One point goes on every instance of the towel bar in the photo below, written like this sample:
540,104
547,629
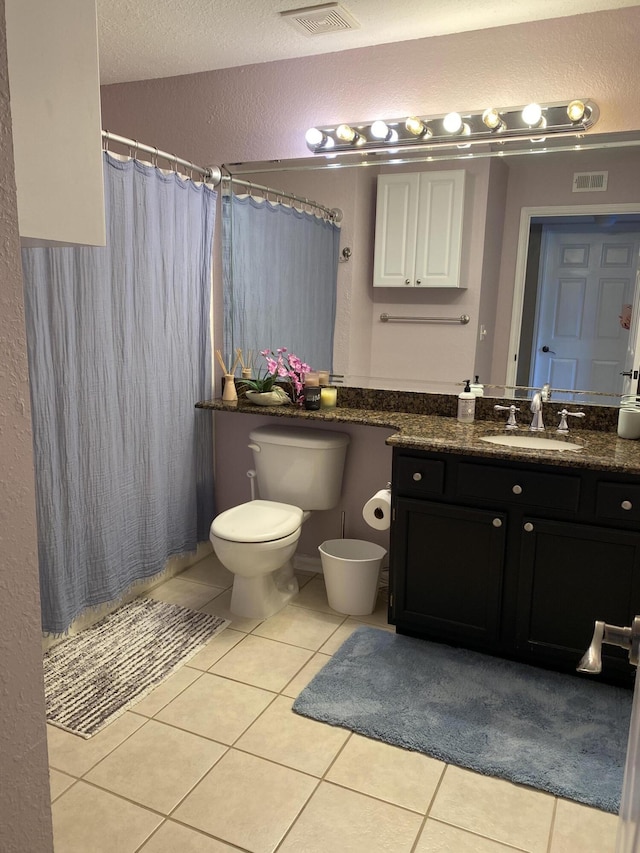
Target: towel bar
463,319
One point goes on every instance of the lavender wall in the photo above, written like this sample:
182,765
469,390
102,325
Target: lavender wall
25,814
261,112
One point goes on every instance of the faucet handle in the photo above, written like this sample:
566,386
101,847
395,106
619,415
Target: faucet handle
511,422
563,426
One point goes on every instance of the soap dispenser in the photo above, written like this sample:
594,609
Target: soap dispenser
476,388
466,404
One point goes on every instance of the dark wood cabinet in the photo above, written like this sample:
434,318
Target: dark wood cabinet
514,559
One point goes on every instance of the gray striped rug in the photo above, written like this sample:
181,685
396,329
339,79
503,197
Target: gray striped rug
92,678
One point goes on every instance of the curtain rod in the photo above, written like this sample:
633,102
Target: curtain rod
211,175
334,214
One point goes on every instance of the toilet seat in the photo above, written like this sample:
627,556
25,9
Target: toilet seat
257,521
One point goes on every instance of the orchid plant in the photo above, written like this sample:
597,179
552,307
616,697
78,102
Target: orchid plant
283,366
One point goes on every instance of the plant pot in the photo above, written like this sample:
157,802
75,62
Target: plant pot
276,397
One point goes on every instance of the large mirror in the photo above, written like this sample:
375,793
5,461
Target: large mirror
549,262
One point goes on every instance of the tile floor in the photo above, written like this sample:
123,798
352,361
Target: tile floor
215,761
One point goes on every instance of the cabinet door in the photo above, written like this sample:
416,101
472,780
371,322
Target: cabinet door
571,575
395,240
447,567
439,232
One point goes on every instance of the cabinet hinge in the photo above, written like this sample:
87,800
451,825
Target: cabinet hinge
391,600
393,514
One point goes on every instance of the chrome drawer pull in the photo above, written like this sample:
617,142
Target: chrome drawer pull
517,490
626,505
528,527
417,476
497,522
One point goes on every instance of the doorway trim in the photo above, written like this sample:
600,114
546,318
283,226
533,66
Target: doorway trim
526,215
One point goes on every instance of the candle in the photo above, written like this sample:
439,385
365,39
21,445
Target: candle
328,397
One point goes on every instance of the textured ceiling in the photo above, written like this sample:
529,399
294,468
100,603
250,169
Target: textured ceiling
145,39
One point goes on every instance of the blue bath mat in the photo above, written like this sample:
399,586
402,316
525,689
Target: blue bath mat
554,732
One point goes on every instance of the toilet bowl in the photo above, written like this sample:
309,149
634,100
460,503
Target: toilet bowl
256,541
298,470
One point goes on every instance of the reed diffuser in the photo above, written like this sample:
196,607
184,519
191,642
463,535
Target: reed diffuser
229,392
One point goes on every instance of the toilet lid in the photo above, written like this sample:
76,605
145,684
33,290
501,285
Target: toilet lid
257,521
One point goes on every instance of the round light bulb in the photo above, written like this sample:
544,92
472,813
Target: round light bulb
452,123
314,137
491,118
415,126
576,111
346,133
379,130
532,114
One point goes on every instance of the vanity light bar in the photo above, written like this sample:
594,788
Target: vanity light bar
493,124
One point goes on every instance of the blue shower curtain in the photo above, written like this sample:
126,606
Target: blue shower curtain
119,352
280,271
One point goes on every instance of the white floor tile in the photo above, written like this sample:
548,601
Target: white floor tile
308,671
439,837
300,627
216,708
185,593
580,829
88,820
494,808
166,691
399,776
287,738
263,663
314,596
216,649
157,766
341,820
209,571
220,605
59,782
75,755
247,801
174,838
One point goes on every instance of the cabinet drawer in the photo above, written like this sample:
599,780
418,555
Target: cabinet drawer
620,501
416,477
507,485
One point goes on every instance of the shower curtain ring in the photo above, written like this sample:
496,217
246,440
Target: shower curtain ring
105,140
154,159
136,147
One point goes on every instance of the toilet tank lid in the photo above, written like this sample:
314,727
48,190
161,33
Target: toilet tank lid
299,437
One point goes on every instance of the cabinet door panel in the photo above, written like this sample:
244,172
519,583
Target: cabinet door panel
448,570
395,239
439,240
571,575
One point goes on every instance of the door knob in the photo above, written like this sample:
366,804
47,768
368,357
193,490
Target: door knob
627,373
545,348
613,635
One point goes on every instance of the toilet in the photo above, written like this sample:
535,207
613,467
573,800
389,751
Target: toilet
298,470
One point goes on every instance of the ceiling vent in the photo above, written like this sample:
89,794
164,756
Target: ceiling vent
590,182
317,20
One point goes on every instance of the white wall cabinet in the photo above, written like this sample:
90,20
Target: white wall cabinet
418,238
54,86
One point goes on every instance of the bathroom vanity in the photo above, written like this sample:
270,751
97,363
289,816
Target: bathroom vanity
511,551
513,558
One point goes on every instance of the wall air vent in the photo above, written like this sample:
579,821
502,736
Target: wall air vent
590,182
317,20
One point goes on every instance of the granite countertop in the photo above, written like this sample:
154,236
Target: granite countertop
441,432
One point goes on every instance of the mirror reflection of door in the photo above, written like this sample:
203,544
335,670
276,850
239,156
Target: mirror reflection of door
578,320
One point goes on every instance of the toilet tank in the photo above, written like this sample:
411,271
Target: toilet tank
299,466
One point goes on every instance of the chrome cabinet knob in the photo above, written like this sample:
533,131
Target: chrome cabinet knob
528,527
497,522
626,505
418,281
517,490
407,281
417,476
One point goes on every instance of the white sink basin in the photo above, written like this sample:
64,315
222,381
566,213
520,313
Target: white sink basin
531,442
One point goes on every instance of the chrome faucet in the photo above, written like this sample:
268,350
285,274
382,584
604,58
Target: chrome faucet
540,397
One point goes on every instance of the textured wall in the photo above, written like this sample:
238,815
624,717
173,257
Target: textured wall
260,112
25,816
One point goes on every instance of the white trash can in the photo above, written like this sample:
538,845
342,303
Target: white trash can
351,570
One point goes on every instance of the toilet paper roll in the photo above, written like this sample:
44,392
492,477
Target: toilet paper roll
377,510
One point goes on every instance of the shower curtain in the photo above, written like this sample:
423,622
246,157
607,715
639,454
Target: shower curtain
280,272
119,352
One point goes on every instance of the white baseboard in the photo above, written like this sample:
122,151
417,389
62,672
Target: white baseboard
307,563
